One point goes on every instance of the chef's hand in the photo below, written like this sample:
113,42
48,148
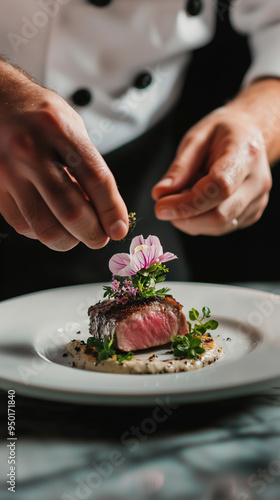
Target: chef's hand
54,185
220,178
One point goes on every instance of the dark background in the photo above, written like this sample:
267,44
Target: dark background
250,254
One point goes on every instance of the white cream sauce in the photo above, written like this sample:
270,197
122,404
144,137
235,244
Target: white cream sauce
88,361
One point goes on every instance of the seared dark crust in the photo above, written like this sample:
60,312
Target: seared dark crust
106,314
118,311
89,351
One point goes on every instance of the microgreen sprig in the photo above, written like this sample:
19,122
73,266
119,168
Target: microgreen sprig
132,221
105,350
189,345
146,280
186,346
125,357
201,328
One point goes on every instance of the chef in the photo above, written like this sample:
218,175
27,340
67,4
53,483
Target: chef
82,79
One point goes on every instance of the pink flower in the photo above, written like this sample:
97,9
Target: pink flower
142,255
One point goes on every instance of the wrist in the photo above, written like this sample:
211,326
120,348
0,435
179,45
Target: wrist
260,105
15,86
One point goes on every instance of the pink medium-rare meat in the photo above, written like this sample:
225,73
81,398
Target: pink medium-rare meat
139,324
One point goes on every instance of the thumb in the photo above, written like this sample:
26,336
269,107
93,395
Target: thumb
185,168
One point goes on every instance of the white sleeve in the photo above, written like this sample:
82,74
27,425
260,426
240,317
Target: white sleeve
260,20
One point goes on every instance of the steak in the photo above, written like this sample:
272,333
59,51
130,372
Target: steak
139,324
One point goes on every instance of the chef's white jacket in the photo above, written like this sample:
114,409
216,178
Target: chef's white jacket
121,63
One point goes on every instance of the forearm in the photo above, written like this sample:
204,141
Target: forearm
261,100
15,84
7,67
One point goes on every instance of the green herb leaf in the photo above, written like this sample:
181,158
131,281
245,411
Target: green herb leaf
201,328
132,220
206,312
143,272
145,281
103,348
125,357
211,325
96,343
103,355
186,346
196,342
163,292
193,314
189,345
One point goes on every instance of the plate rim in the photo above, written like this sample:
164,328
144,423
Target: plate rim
51,393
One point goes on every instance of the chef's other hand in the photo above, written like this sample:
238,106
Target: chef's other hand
54,184
220,178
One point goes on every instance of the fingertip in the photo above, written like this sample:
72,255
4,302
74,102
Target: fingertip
162,188
102,245
63,245
154,193
166,213
118,230
97,245
166,182
159,192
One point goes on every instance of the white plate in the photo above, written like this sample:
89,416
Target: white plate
34,329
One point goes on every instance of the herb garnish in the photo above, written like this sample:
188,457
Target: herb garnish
132,221
201,328
125,357
189,345
146,279
139,286
186,346
105,350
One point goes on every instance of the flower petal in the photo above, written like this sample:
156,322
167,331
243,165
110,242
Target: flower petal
129,270
156,250
152,240
138,240
118,262
154,253
165,257
140,260
123,264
